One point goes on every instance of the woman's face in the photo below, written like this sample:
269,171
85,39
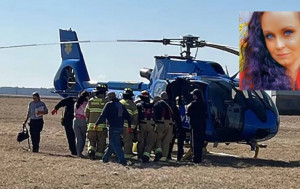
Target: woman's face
282,35
35,98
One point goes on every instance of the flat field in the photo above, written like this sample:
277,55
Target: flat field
278,166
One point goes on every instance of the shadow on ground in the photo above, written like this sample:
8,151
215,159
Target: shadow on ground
209,160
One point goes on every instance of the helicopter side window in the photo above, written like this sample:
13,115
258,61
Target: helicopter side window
218,96
217,67
159,87
259,94
246,94
257,105
267,100
270,102
233,93
226,110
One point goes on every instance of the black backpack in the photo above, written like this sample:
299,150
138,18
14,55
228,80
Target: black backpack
23,134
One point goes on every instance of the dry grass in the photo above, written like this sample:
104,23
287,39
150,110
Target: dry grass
277,166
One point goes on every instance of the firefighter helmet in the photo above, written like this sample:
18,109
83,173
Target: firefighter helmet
164,95
128,91
145,94
101,88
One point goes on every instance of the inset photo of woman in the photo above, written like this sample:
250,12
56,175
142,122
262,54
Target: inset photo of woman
269,50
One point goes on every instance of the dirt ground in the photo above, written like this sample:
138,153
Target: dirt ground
278,166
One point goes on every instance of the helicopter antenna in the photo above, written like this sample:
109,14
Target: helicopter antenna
234,76
180,51
196,53
226,70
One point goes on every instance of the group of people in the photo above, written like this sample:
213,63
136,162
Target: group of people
148,122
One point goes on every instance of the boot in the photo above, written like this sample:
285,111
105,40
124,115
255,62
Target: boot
145,159
158,155
92,154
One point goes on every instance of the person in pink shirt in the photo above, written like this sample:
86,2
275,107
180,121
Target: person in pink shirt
79,122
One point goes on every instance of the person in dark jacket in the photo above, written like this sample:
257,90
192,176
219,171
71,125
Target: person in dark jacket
115,113
196,110
177,125
67,121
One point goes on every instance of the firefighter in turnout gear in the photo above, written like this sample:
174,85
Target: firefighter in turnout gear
163,116
96,138
146,138
128,133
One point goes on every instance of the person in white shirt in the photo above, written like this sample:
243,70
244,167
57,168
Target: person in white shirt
36,110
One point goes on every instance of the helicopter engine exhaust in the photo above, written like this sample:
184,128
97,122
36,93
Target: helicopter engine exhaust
146,73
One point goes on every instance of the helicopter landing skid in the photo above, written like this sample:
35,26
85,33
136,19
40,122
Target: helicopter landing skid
255,147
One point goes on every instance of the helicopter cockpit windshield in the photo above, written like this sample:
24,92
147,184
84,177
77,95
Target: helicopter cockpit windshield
227,105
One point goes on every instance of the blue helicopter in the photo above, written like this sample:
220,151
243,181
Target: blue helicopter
246,117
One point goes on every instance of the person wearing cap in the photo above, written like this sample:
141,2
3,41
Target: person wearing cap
163,117
36,110
96,138
146,138
196,111
67,120
115,113
128,133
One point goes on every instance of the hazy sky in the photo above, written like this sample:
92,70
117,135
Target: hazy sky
36,21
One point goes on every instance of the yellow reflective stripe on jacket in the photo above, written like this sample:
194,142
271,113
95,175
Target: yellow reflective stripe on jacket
129,111
135,112
129,108
96,103
124,102
132,110
90,127
95,110
126,125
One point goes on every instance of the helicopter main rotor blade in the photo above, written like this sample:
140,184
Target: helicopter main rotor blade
58,43
146,41
163,41
176,42
221,47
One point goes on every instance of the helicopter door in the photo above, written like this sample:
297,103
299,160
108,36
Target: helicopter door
226,111
233,116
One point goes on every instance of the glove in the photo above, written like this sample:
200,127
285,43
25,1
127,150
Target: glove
39,113
129,130
54,111
95,127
